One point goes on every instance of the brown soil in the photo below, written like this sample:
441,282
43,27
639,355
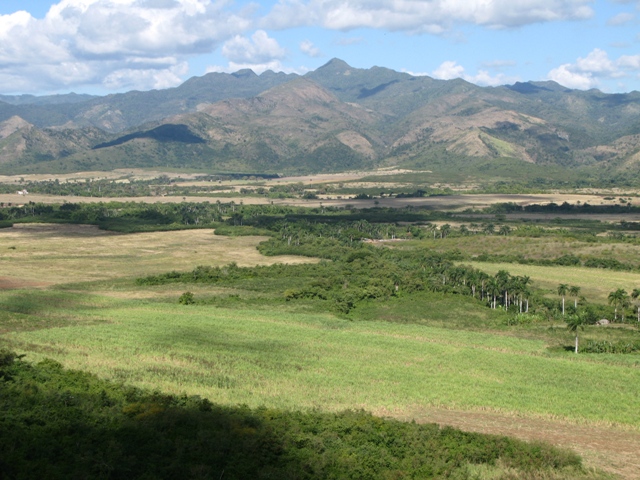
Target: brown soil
611,449
9,283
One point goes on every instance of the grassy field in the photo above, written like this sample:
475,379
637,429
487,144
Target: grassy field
54,254
290,361
401,358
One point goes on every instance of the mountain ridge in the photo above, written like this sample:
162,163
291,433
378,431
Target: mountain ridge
334,118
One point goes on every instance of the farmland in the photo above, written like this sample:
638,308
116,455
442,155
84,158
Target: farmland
284,337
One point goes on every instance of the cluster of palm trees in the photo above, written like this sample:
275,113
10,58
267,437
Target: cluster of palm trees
620,299
488,229
573,291
507,289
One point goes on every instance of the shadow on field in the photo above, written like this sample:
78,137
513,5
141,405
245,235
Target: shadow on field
211,339
60,424
53,230
35,310
30,302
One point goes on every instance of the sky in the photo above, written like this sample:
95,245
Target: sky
108,46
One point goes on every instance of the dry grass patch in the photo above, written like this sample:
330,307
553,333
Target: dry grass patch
56,254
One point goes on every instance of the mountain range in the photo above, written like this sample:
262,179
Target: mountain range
331,119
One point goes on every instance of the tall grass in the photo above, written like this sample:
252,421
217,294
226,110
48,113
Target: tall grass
286,360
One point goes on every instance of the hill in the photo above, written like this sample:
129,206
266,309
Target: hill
334,118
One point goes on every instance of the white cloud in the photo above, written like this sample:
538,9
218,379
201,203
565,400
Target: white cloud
621,19
157,79
258,53
486,79
111,43
429,16
591,71
308,48
569,77
631,62
259,49
449,70
596,63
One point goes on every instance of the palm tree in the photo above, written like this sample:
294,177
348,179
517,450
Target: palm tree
489,228
635,294
574,291
492,289
563,288
574,323
618,298
503,279
521,289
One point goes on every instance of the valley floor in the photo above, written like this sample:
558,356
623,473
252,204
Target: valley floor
68,292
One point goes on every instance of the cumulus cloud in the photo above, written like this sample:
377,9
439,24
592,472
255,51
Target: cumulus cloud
568,76
449,70
590,71
308,48
428,16
258,49
111,43
258,53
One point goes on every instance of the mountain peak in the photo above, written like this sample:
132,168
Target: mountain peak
12,125
537,87
335,64
244,73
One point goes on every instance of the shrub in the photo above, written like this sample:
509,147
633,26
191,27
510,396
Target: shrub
186,298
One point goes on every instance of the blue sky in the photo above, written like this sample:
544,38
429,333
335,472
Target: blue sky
107,46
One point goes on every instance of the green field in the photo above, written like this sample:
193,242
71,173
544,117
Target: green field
298,360
281,337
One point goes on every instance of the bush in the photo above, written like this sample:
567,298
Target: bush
524,319
186,298
603,346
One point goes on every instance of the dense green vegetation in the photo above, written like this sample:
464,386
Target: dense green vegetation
58,423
